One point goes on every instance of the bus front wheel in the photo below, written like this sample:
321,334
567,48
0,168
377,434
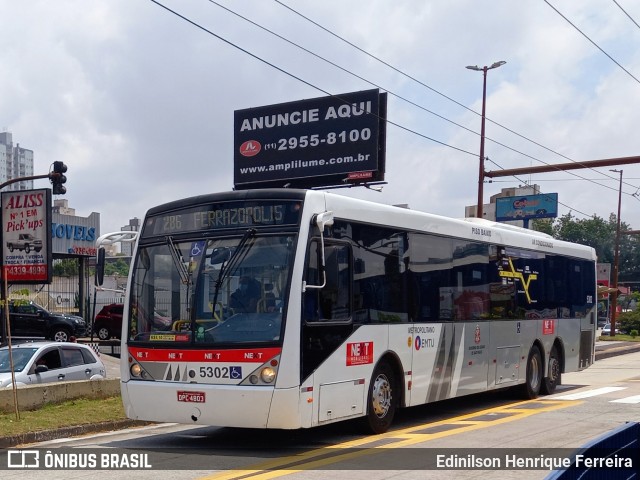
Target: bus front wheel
531,387
381,404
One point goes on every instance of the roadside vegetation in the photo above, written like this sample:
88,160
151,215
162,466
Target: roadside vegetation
66,414
628,323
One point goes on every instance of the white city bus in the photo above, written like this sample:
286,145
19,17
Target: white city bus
290,309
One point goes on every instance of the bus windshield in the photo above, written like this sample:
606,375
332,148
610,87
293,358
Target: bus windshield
217,291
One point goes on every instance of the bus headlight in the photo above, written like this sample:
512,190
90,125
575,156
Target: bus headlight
136,370
268,375
265,374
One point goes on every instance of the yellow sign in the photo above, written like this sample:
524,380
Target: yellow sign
162,338
519,276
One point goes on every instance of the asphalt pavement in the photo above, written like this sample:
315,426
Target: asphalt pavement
604,349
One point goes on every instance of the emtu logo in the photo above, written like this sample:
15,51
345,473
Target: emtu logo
250,148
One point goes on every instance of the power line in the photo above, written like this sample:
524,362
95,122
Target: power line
625,12
594,43
377,85
195,24
452,100
389,91
243,50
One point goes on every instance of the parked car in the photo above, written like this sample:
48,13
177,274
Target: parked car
28,319
46,362
606,330
108,322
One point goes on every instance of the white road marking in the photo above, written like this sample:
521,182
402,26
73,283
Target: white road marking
634,399
588,393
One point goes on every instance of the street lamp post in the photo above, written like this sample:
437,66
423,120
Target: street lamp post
616,262
484,69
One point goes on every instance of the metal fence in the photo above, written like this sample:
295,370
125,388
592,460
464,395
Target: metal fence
65,295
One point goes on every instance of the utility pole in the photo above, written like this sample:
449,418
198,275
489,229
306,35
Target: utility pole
616,263
479,212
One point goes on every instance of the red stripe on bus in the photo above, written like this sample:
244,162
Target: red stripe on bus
252,355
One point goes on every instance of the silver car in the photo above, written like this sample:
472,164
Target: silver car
46,362
606,330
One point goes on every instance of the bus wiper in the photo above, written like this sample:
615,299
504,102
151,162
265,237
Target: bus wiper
233,260
183,271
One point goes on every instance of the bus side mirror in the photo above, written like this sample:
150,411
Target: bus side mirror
321,220
100,266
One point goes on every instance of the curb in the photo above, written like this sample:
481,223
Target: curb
615,351
75,431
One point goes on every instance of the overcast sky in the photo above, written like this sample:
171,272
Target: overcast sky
139,102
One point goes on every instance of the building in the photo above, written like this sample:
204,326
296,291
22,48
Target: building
15,162
489,210
61,206
126,248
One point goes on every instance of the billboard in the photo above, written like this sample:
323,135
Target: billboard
26,236
311,143
524,207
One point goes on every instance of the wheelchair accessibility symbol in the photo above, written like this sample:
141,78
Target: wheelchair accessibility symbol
235,372
196,249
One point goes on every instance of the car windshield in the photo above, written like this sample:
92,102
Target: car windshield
220,291
21,357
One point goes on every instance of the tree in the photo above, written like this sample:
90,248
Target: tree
66,267
600,234
117,266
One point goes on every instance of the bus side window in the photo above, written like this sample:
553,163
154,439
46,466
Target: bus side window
333,301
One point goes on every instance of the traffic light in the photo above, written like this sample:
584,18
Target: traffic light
57,178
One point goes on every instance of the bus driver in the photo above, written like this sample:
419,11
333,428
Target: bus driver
245,298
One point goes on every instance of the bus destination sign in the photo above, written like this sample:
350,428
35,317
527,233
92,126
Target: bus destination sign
224,216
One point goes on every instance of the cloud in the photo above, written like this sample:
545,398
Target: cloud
139,103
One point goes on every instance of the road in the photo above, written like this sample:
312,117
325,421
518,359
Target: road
588,404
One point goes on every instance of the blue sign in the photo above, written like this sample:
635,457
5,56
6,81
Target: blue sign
527,206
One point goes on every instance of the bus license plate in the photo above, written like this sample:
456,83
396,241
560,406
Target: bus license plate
195,397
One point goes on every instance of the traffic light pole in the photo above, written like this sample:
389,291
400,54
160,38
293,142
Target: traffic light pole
50,176
3,296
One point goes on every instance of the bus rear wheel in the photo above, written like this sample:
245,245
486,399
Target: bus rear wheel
533,382
381,404
554,373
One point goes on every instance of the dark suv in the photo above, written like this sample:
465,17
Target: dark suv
28,319
108,322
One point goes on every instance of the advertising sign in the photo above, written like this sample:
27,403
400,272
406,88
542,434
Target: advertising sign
26,236
310,143
527,206
72,235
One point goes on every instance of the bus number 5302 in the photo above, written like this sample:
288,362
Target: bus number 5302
215,372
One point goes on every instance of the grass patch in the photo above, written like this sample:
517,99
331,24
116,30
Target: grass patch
72,413
619,337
